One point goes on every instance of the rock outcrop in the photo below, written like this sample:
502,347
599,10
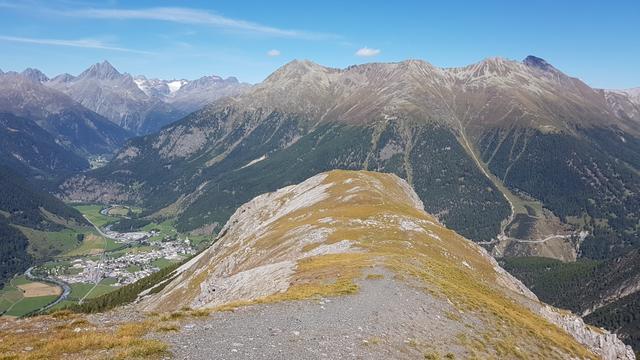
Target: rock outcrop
326,235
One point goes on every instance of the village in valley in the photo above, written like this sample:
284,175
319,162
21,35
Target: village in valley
131,255
104,259
127,268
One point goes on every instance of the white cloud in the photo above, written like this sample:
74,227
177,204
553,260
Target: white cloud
273,53
367,52
193,16
81,43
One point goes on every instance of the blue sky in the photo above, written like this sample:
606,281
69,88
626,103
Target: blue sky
596,41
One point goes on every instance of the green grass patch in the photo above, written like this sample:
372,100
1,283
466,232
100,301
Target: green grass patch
92,212
118,211
62,305
80,290
162,263
166,228
200,241
45,244
28,305
93,244
133,268
109,281
21,280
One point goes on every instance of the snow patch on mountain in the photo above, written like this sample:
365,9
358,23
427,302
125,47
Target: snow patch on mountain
176,85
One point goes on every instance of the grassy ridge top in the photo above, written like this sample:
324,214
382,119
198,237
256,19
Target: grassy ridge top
325,232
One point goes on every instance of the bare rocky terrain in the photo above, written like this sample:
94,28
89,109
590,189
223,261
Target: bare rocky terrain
385,319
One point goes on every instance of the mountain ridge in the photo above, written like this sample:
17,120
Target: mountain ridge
493,119
314,239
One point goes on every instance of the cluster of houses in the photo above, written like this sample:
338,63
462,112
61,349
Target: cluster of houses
129,237
127,268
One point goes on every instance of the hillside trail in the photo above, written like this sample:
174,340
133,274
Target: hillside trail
365,325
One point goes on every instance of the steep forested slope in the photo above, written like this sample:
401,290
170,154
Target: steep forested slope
30,150
605,291
21,205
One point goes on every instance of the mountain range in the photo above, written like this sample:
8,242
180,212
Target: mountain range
138,104
514,154
91,114
72,125
529,163
32,151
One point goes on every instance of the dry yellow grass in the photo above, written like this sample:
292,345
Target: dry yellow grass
65,335
36,289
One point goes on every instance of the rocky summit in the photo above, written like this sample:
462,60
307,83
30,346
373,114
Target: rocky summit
348,263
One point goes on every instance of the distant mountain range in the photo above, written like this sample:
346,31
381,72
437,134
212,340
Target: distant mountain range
625,103
47,134
32,151
72,125
91,114
138,104
515,155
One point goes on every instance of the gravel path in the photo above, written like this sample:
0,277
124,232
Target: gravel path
386,319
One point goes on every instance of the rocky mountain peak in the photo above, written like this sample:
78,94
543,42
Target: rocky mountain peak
34,75
633,94
539,63
103,71
298,69
62,78
232,79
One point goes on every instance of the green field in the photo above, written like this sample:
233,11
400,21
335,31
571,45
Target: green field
28,305
93,244
133,268
162,263
108,281
92,212
118,211
62,304
12,303
80,290
166,228
45,244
